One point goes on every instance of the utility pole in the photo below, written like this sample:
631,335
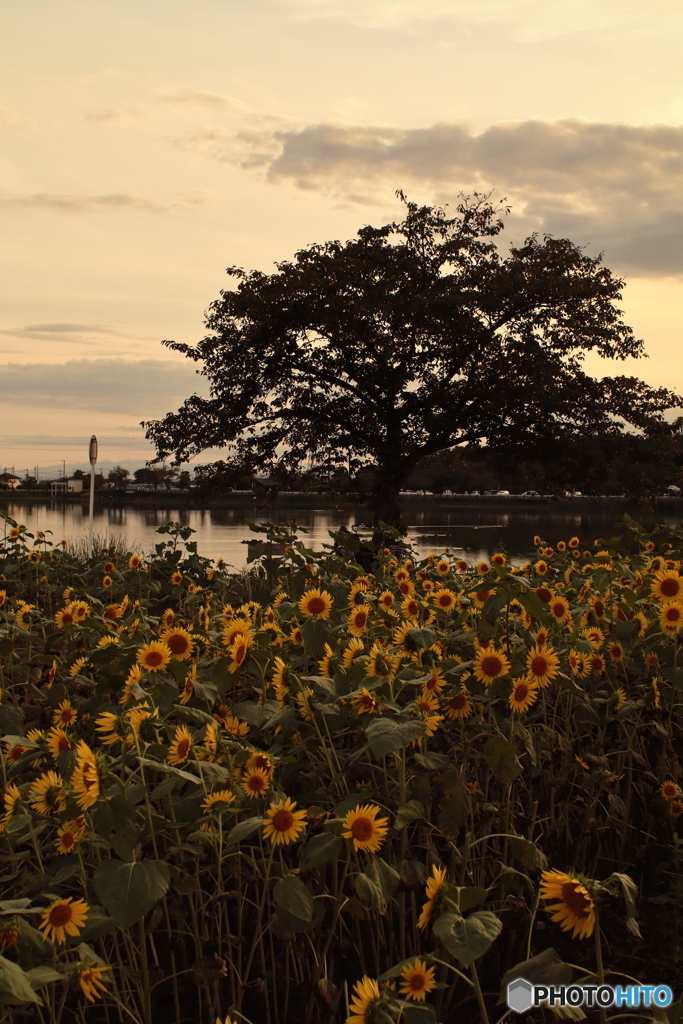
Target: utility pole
92,454
64,469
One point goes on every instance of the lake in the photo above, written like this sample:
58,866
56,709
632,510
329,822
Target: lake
433,525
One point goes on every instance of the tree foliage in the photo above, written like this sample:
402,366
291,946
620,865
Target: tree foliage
411,339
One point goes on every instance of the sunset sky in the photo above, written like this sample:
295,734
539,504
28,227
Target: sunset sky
148,145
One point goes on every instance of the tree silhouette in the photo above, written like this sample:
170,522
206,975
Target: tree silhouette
411,339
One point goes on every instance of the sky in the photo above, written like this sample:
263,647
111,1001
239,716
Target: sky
147,145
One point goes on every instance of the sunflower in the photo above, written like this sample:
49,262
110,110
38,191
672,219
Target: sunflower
354,650
676,808
364,702
357,621
410,608
176,578
444,599
365,993
462,566
386,601
284,825
670,790
317,603
236,627
598,607
417,980
85,779
561,545
559,609
479,598
434,886
490,664
576,909
107,582
458,706
596,663
365,829
256,782
615,650
75,669
499,559
620,697
577,664
181,745
47,795
69,834
239,652
443,566
64,714
154,656
296,636
90,978
111,728
134,678
179,642
544,594
541,637
107,641
64,617
671,617
543,664
218,802
134,562
380,664
541,567
574,542
11,798
524,694
64,917
667,585
357,591
435,683
167,618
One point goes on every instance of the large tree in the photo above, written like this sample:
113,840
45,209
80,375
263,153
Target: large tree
408,340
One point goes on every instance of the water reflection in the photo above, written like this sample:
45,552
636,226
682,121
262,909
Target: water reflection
476,532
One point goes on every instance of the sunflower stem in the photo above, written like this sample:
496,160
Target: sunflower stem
480,994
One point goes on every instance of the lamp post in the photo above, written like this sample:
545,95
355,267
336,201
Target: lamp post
92,455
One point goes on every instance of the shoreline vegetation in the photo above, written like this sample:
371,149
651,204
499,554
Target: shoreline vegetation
349,784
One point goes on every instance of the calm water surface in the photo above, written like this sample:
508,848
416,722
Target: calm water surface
476,532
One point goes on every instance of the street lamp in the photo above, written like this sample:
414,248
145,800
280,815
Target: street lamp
92,455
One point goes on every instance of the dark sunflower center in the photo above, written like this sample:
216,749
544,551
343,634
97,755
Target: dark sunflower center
154,658
578,902
544,593
183,747
316,605
417,982
491,665
558,609
362,829
669,587
60,915
257,783
458,702
360,619
283,821
521,692
178,643
539,666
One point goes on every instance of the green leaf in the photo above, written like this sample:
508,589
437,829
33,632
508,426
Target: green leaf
292,896
129,891
456,810
418,1013
370,892
411,811
321,849
115,822
468,938
388,734
502,760
545,969
39,976
243,830
315,632
15,985
469,896
12,906
433,761
11,719
528,853
255,714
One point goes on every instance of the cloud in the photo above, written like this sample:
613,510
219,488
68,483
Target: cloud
72,334
526,20
186,96
145,388
617,187
110,114
56,202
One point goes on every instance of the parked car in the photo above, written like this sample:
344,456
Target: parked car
530,494
503,494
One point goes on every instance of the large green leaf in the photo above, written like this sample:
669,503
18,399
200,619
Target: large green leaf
468,938
315,632
502,759
129,891
544,969
321,849
243,830
370,892
292,896
15,985
411,811
388,734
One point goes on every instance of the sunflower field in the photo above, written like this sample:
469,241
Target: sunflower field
313,792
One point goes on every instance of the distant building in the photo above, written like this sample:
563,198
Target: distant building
9,481
74,485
